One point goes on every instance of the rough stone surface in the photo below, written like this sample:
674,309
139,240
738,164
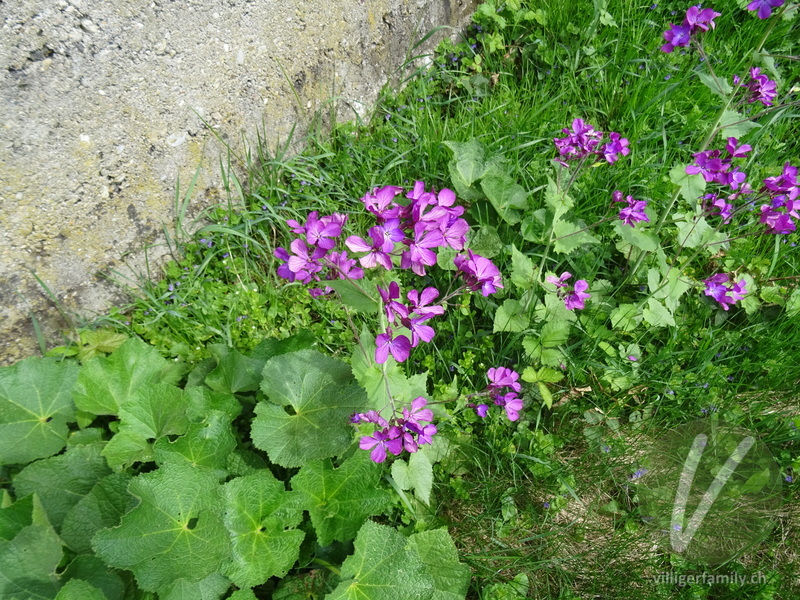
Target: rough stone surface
104,105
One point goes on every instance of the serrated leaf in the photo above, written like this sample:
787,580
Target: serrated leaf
625,317
35,407
718,86
420,472
468,160
439,556
793,303
695,231
510,317
557,200
547,397
234,372
61,481
95,572
103,506
383,568
555,333
569,237
506,195
358,295
178,522
106,383
734,124
548,375
262,518
692,186
657,315
28,563
486,242
77,589
637,236
521,269
312,398
340,500
210,588
208,443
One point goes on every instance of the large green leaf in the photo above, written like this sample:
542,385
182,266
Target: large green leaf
61,481
340,500
312,398
234,372
522,270
208,443
35,407
177,524
77,589
383,568
106,383
210,588
262,518
92,570
440,557
510,317
28,563
416,474
506,195
570,236
102,507
358,295
468,161
692,186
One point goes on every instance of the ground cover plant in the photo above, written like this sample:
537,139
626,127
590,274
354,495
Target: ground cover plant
430,357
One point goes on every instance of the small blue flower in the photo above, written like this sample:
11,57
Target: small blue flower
546,504
639,472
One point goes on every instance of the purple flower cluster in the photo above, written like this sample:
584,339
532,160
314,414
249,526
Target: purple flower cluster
764,7
783,192
697,20
716,167
502,389
762,88
428,222
574,297
584,140
727,294
407,432
634,212
412,316
479,273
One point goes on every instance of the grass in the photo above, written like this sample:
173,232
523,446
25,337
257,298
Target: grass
549,500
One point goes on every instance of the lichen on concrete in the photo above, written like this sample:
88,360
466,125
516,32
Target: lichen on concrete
104,105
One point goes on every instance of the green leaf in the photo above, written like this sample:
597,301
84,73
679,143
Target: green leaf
106,383
208,443
416,474
35,407
383,568
340,500
384,383
210,588
262,518
234,372
95,572
152,412
439,556
793,303
312,398
625,317
568,239
510,317
102,507
735,124
547,397
467,165
521,269
560,202
692,186
61,481
28,563
718,86
77,589
358,295
178,522
505,194
695,231
672,290
555,333
486,242
657,315
15,517
548,375
637,236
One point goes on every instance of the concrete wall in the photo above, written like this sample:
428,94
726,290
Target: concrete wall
99,105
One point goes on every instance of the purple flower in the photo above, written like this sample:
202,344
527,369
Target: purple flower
700,19
376,255
736,151
419,254
717,286
616,146
764,7
512,405
391,306
709,165
420,302
560,282
479,273
639,472
500,377
380,442
481,410
578,296
400,347
417,412
718,206
381,201
676,36
344,267
634,212
762,88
